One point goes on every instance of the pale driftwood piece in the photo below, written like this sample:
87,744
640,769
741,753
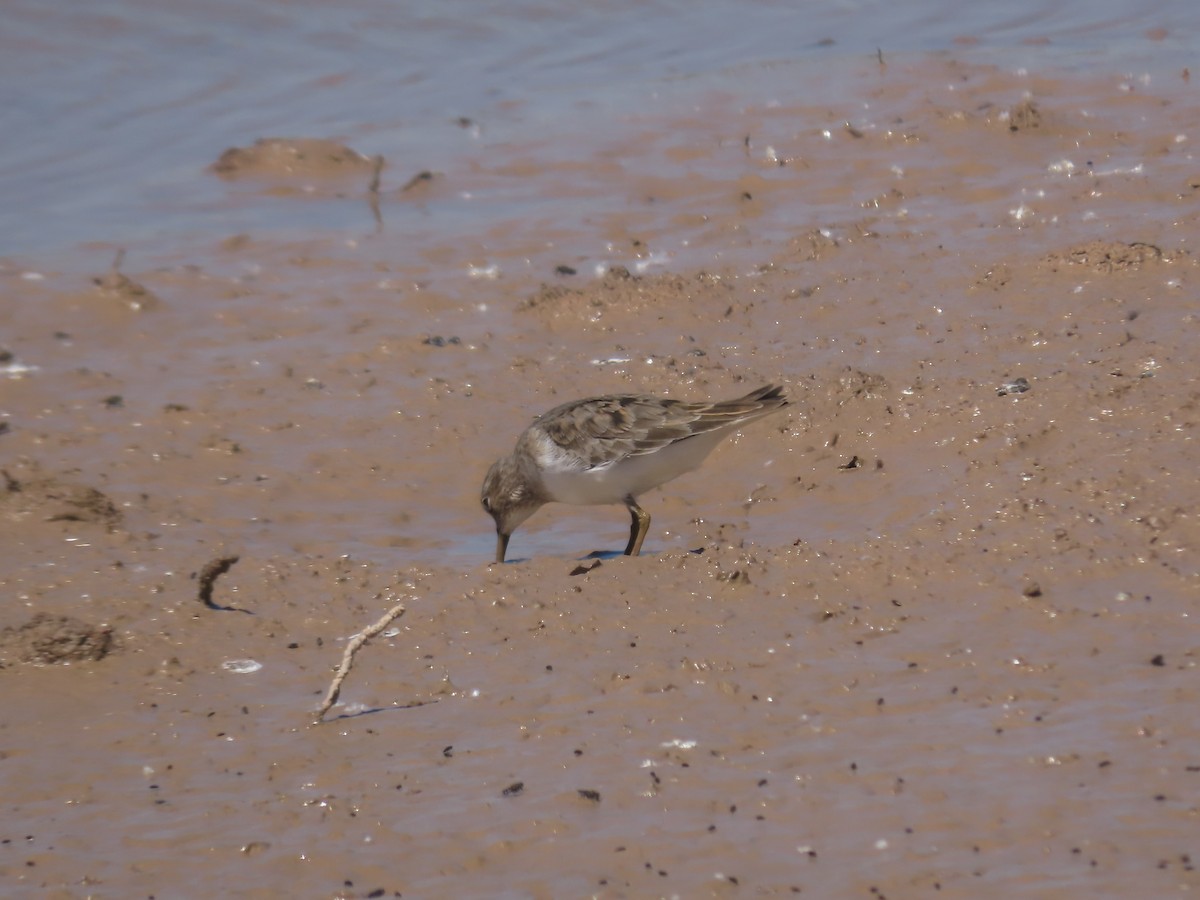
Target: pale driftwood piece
352,648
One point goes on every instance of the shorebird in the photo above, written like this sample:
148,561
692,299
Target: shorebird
611,450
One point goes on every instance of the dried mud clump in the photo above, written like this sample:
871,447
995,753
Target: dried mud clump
549,295
51,500
50,640
308,157
1107,256
1025,116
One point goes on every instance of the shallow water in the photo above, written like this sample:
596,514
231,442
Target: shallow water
112,115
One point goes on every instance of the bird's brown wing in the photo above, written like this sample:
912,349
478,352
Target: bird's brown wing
599,431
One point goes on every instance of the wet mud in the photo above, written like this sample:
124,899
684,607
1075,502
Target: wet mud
930,631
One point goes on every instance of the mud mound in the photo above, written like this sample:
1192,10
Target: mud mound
622,292
49,640
52,500
305,157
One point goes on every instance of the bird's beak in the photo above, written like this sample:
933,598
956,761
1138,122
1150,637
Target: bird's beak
501,545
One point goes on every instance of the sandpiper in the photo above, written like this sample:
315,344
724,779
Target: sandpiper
611,450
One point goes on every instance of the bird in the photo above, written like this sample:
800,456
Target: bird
611,449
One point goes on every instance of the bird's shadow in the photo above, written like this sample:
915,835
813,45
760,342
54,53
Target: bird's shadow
359,713
617,554
604,554
595,554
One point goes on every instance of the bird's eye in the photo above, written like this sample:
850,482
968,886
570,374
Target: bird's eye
487,505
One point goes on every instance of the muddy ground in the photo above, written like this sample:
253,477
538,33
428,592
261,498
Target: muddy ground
930,632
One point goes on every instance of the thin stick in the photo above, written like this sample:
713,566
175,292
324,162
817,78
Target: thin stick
373,193
377,172
352,648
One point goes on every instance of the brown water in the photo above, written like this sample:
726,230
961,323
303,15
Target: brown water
914,637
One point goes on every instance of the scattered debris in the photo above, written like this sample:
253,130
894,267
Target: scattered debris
1016,386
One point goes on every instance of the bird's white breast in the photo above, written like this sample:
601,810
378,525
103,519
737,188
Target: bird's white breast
632,475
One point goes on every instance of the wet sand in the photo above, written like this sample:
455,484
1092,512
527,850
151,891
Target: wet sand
930,632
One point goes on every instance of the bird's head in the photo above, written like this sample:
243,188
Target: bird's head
508,498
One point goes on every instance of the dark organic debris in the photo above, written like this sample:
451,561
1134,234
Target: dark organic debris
513,789
213,569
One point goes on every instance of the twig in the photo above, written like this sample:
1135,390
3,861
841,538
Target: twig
352,648
373,193
377,172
